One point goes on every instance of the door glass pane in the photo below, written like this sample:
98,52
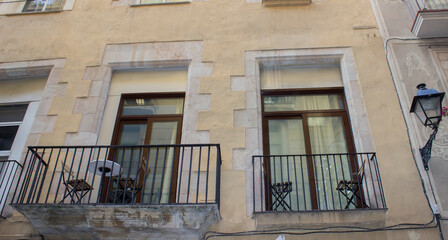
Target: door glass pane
151,106
12,113
302,102
288,181
160,162
130,157
133,134
327,136
7,135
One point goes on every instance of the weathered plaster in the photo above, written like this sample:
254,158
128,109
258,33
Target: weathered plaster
97,37
121,222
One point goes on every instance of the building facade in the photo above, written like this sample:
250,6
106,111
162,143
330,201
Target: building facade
415,38
200,119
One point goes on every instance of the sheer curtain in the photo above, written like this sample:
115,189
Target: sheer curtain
286,138
327,136
157,186
303,76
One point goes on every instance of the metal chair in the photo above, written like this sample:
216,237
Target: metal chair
125,190
279,193
350,189
76,189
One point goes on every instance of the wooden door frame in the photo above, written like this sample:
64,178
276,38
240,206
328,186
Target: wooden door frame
305,114
120,120
174,176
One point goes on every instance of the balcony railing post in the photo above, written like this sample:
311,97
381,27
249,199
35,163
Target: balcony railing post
218,177
199,174
206,176
18,185
36,177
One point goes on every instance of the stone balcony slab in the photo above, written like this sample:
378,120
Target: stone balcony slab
54,221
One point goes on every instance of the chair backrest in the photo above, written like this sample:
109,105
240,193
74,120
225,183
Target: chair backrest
72,178
361,169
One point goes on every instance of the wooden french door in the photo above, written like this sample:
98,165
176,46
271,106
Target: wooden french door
153,169
319,126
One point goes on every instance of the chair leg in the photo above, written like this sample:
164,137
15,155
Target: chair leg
356,193
350,201
69,193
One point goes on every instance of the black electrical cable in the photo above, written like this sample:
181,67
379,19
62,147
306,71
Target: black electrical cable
275,232
437,217
440,226
326,228
418,5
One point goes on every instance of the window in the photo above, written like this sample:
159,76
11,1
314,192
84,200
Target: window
305,121
11,117
150,119
43,5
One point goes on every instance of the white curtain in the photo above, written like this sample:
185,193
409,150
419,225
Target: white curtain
327,136
303,76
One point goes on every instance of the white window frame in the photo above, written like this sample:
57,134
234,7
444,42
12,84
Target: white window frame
6,153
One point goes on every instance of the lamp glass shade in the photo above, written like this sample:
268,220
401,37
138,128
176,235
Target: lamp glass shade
428,108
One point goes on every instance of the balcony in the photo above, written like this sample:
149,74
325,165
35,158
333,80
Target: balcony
430,17
120,191
325,188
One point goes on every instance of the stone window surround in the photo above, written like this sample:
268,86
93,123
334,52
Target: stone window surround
37,119
43,121
250,118
133,56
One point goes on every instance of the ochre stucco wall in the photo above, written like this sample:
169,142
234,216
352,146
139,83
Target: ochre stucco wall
228,28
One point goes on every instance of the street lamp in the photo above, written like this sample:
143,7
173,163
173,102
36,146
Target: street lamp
427,105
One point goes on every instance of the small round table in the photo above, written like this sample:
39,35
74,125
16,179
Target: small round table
105,168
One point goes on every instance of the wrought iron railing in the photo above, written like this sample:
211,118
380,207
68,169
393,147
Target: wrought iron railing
146,174
8,171
318,182
419,5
